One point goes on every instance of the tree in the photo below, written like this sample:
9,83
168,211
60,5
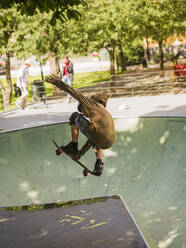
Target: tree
158,19
9,20
48,42
104,24
61,9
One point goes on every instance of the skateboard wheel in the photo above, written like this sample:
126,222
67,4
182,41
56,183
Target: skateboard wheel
58,152
85,173
101,167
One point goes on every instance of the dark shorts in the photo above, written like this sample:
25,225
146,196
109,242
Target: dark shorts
81,122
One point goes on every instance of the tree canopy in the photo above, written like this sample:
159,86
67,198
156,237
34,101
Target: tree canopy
61,9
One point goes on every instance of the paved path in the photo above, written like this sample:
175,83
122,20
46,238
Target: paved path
39,114
78,67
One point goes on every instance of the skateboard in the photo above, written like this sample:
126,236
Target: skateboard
86,170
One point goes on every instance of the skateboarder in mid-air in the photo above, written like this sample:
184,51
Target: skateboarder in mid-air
92,119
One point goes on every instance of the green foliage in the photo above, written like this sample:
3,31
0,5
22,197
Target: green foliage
133,52
61,9
103,24
157,19
9,21
35,36
106,23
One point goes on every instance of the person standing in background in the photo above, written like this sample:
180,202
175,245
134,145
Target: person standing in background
68,74
22,83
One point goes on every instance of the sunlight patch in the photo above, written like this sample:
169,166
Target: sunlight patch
154,220
130,233
43,232
109,153
172,208
111,170
139,176
33,195
61,189
6,219
3,161
169,239
164,137
129,139
126,124
48,162
24,186
148,214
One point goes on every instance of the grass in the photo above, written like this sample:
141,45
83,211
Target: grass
82,79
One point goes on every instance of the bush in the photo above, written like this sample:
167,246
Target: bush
134,52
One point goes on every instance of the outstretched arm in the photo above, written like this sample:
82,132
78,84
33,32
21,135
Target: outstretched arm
53,79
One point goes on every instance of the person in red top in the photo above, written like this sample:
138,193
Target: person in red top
68,74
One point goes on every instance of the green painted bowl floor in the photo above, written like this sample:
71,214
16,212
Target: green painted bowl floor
146,166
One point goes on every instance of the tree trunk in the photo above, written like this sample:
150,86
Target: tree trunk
8,91
41,69
55,69
145,58
5,96
112,60
111,51
117,61
148,50
2,92
122,58
161,54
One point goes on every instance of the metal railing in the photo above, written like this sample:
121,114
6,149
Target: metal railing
127,84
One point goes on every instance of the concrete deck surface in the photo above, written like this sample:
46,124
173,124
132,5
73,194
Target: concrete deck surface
56,111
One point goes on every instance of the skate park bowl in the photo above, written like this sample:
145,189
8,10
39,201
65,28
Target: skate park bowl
146,166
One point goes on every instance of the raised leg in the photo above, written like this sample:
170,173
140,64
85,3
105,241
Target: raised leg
72,148
98,153
75,133
98,167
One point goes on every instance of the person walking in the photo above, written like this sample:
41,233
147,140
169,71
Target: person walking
22,83
68,75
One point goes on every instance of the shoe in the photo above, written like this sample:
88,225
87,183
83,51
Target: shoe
98,167
66,100
18,104
71,149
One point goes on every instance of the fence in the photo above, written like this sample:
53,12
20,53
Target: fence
128,84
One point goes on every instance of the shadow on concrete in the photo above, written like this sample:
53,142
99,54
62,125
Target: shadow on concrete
177,111
9,122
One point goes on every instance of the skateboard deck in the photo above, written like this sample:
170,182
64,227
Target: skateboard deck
61,150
